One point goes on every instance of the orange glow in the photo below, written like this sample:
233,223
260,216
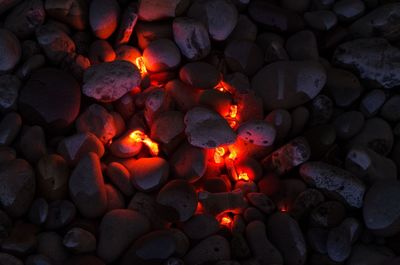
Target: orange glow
284,209
226,221
232,155
220,87
233,111
140,64
139,136
218,154
243,176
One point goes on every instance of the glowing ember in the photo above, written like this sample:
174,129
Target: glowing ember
243,176
140,64
284,209
139,136
233,111
220,87
218,154
232,155
225,220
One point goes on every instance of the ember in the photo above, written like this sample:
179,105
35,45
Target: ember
140,137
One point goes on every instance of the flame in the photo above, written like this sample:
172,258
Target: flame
220,87
233,111
218,154
232,155
225,220
140,64
243,176
139,136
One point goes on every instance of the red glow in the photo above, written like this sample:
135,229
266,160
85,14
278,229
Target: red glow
225,220
140,64
284,209
220,87
243,176
218,154
139,136
232,154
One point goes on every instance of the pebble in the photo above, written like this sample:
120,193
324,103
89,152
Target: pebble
115,199
274,17
322,140
372,59
55,43
9,259
341,238
148,32
322,20
9,88
109,81
179,195
101,51
86,186
369,165
10,126
370,255
72,12
380,141
337,182
98,121
11,48
103,17
17,181
50,244
207,129
125,147
200,226
148,173
211,249
257,132
79,240
390,110
349,10
302,46
343,87
118,229
290,84
38,260
184,96
381,212
348,124
38,211
128,22
380,22
4,6
161,129
221,202
265,253
262,202
199,75
372,102
120,177
24,19
245,29
220,17
189,162
328,214
316,238
161,55
84,260
21,240
60,214
284,232
321,110
273,46
74,147
33,144
244,56
151,10
41,104
305,202
192,38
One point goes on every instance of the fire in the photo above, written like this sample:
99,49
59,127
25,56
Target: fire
225,220
218,154
139,136
233,111
140,64
220,87
243,176
232,155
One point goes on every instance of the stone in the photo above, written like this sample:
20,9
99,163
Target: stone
244,56
50,244
118,229
127,25
9,88
348,124
284,232
179,195
305,202
161,55
151,10
98,121
147,32
289,84
349,10
11,48
79,240
148,173
192,38
302,46
72,12
5,5
101,51
257,132
10,126
161,129
370,255
382,21
9,259
107,82
33,144
200,75
200,226
211,249
219,16
336,182
223,202
18,184
343,86
207,129
245,29
372,102
372,59
86,186
25,18
38,211
321,110
328,214
120,177
380,211
84,260
281,120
115,199
390,110
262,202
55,43
74,147
60,214
103,17
54,109
323,20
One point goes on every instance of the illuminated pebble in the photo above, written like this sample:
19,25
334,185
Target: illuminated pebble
161,55
71,12
115,199
103,17
257,132
161,129
120,177
334,180
151,10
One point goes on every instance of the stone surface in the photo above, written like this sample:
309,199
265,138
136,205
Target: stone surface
103,17
11,48
9,88
161,55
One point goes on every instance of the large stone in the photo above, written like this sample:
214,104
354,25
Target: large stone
289,84
107,82
10,49
374,60
51,98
